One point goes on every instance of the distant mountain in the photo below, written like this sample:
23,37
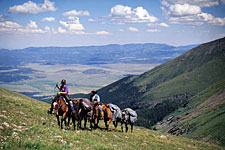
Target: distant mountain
96,71
86,55
129,53
170,86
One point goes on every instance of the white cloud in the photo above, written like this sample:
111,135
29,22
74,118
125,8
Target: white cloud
184,10
160,24
133,29
33,8
73,25
127,14
163,25
47,28
10,25
92,20
190,15
165,3
103,33
71,18
61,30
32,25
48,19
13,27
76,27
217,21
76,13
26,30
153,30
200,3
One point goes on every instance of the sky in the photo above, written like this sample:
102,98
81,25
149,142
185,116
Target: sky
41,23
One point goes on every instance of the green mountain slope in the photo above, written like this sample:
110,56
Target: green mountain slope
24,124
169,86
202,119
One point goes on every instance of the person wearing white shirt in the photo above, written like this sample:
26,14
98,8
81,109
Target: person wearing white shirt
95,98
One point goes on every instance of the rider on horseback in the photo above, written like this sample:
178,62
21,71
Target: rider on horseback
95,98
63,91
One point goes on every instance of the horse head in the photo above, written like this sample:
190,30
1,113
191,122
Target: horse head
55,105
76,103
125,115
106,109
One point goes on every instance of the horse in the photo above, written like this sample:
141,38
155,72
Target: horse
107,115
129,116
117,115
84,109
60,108
96,115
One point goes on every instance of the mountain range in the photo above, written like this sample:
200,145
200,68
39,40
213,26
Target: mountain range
91,55
184,96
85,67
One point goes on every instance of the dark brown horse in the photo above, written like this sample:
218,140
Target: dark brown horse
129,116
84,109
61,109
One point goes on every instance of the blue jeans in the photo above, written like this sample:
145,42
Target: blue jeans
100,109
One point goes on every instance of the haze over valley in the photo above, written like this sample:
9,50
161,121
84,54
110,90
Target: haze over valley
35,71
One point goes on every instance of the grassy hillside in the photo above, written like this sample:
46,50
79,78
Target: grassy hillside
202,119
24,124
169,86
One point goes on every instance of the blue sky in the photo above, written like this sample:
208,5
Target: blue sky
26,23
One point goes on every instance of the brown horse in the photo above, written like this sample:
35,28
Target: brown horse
107,115
96,115
61,109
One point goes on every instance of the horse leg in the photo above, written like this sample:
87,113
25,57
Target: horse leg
68,123
91,121
63,119
61,123
122,126
126,127
109,123
85,122
115,125
106,124
81,118
58,120
131,124
98,118
73,120
78,122
96,122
